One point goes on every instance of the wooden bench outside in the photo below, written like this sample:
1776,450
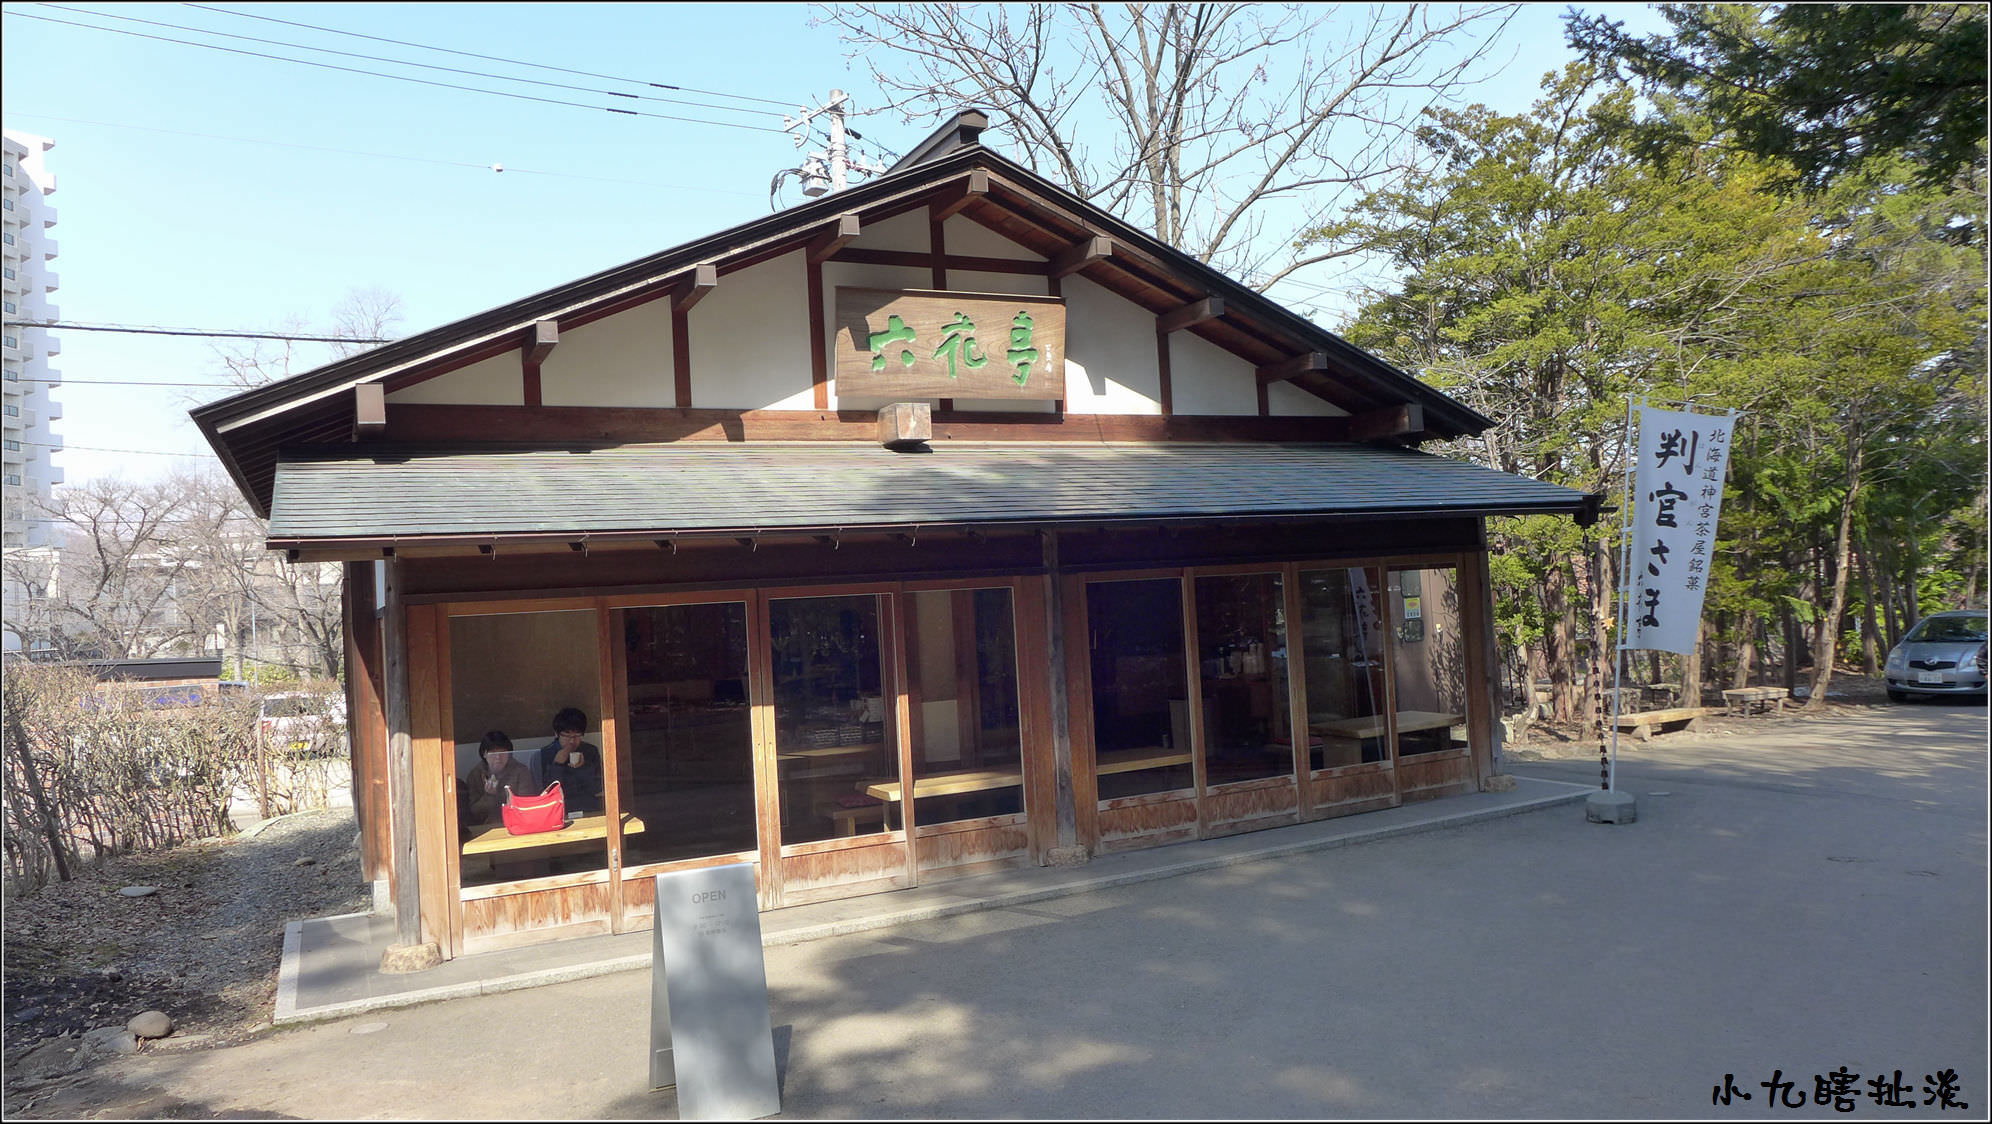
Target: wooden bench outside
1747,700
1642,724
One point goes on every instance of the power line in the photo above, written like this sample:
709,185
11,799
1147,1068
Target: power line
404,62
491,58
482,167
100,449
130,382
398,77
148,330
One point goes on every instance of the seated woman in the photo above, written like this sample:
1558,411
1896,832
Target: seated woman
576,764
483,791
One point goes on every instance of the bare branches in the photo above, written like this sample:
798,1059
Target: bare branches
362,314
1218,111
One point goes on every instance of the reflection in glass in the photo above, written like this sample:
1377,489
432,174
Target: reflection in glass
690,779
1341,643
1141,708
1241,630
961,655
1431,661
833,737
512,672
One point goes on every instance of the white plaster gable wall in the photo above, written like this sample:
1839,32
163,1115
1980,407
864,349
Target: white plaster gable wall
906,231
750,339
623,360
1206,379
969,238
1109,353
1284,400
497,381
852,275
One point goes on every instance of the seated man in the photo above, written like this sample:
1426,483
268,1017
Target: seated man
575,764
483,794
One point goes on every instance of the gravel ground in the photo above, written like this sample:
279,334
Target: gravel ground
204,948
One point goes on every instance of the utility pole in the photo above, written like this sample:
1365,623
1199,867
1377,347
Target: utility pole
829,168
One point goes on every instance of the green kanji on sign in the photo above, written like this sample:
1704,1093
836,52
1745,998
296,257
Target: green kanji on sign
895,330
1021,354
960,345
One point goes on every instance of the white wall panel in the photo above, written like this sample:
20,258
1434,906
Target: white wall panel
1109,353
750,339
497,381
969,238
1206,379
624,360
905,231
1284,400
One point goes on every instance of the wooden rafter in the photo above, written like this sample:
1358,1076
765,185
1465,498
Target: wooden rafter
835,237
1097,248
974,186
693,287
1298,365
1196,312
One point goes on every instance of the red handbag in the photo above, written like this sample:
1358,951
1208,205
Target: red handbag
530,815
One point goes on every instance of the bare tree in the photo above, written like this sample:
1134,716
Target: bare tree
363,318
109,589
1228,128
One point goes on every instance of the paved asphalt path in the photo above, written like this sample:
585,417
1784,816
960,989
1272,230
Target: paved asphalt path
1810,896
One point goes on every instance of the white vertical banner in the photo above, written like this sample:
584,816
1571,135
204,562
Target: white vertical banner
1677,495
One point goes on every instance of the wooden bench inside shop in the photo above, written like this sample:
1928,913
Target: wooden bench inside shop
1756,700
1645,722
888,793
1343,739
493,839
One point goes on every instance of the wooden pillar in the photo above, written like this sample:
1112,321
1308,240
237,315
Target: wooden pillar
408,952
1068,852
1478,580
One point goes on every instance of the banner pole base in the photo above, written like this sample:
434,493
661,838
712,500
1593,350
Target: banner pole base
1611,807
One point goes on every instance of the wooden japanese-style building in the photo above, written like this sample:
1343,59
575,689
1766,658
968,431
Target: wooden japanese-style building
941,525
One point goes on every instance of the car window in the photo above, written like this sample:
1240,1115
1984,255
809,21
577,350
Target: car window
1948,629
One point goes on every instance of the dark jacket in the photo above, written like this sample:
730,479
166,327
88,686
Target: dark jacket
481,807
580,786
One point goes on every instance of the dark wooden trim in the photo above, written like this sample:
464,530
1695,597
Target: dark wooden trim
914,259
435,423
1195,312
1265,401
1097,248
838,235
819,346
1301,364
974,186
937,251
681,357
539,344
1395,421
369,410
401,766
692,289
1165,385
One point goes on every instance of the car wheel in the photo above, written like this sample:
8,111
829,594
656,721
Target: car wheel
1897,696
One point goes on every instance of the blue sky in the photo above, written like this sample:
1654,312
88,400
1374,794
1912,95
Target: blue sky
204,189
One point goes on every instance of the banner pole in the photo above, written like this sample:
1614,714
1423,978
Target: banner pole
1623,586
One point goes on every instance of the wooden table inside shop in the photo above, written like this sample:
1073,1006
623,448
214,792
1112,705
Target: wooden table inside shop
493,839
954,784
1408,722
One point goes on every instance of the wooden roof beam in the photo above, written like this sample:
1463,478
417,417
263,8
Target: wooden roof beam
973,187
1407,420
702,279
835,237
1196,312
1097,248
540,340
1298,365
369,410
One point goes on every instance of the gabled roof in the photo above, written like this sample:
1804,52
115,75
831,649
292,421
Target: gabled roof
249,429
367,498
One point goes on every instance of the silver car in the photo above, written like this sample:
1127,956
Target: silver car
1943,655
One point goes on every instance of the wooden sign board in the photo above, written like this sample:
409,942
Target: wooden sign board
925,343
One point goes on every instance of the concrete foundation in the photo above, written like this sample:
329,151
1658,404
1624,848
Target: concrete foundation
1611,807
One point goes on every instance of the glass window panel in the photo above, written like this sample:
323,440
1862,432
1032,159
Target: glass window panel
833,736
961,654
690,779
1141,708
1431,661
1241,660
511,674
1341,641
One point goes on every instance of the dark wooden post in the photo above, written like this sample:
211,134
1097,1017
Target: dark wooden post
1068,852
409,953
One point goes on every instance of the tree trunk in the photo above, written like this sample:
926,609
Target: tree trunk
1746,649
1829,628
1691,668
1870,635
1792,644
31,777
1562,650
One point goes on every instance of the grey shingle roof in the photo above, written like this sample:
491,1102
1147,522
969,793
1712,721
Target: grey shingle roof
704,487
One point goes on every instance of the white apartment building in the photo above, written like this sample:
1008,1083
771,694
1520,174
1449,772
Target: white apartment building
30,440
